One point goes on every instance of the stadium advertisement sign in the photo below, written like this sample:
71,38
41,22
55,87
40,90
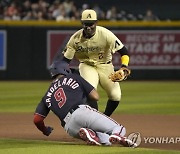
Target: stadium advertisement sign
2,50
149,49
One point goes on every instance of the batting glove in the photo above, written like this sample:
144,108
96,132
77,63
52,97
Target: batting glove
48,130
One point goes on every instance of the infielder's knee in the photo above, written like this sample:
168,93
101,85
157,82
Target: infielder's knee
114,94
115,97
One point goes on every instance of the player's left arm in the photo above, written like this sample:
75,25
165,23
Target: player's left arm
93,95
117,46
89,91
124,71
124,56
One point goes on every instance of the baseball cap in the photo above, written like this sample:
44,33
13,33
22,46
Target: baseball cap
88,16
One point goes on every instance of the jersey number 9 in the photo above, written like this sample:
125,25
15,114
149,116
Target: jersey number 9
60,97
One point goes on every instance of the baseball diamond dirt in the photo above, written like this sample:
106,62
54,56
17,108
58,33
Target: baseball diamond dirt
151,127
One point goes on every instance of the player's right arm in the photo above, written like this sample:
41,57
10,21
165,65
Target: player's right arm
69,50
40,114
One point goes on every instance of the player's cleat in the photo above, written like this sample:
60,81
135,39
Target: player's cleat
116,139
89,136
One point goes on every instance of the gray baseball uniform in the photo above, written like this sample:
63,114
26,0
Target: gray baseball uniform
66,98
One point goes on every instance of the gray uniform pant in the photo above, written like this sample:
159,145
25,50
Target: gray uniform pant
87,117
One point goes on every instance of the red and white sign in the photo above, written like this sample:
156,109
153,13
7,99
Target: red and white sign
56,41
149,49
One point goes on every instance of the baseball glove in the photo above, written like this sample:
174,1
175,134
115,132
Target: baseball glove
120,75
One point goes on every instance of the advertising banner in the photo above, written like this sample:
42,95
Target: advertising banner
2,50
149,49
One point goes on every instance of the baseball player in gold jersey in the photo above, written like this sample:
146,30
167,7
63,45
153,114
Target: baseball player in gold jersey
93,46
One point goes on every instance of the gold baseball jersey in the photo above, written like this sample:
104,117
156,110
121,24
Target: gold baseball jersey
95,50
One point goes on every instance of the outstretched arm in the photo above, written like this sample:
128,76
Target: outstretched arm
39,122
40,114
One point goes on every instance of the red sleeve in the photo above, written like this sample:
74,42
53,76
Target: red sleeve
39,122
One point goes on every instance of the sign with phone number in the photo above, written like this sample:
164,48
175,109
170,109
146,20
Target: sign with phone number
149,49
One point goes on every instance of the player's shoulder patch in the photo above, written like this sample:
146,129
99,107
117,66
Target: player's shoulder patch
117,44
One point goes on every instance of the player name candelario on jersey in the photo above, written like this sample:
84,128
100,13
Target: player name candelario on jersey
57,84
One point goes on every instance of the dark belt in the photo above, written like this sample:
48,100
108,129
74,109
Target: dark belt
73,109
106,63
70,111
103,63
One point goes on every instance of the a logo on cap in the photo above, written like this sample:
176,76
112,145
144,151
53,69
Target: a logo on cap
89,16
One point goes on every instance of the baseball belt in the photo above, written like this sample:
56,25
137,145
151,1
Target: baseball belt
106,63
67,117
102,63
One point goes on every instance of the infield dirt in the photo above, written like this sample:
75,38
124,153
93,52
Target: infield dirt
20,126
